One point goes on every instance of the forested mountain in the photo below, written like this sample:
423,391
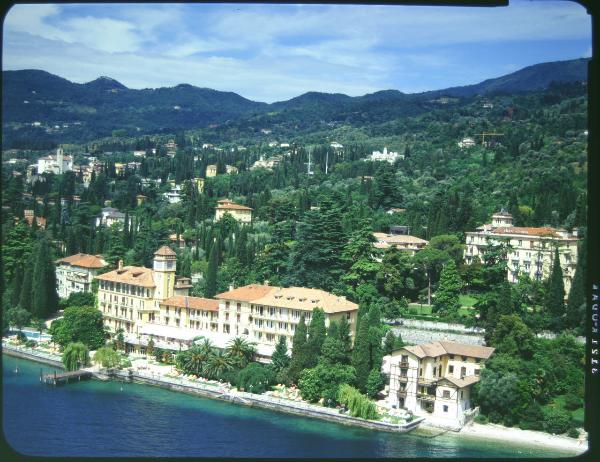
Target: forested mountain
72,112
530,78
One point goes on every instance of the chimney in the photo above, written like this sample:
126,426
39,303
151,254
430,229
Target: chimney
120,264
231,287
266,282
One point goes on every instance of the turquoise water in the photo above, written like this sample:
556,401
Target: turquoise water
111,419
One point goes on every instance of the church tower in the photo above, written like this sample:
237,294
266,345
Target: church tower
60,158
165,262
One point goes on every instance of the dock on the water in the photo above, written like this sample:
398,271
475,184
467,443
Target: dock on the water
61,378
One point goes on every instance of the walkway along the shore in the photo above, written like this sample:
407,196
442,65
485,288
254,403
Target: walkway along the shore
223,393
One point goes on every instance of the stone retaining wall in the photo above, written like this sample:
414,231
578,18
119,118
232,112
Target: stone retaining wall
32,355
267,402
417,336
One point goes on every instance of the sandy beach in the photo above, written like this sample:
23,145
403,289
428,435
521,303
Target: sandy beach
525,437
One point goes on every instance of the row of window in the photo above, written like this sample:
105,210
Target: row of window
124,288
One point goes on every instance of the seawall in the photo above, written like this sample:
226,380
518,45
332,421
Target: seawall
236,397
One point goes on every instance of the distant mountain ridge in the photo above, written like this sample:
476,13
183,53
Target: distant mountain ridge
104,104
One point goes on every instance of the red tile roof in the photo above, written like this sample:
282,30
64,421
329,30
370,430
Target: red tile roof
84,261
226,204
197,303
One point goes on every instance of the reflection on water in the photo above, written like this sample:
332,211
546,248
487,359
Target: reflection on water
93,418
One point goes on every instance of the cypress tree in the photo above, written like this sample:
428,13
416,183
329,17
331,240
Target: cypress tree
16,285
576,302
44,299
211,274
361,355
389,343
299,350
25,296
316,336
280,358
375,334
343,334
555,294
447,296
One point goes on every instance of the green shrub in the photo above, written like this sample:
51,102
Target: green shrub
375,383
573,402
255,378
21,337
481,419
30,343
556,420
283,377
573,433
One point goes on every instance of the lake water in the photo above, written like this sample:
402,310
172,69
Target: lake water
111,419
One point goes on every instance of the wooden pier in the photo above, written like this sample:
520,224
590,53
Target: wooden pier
64,377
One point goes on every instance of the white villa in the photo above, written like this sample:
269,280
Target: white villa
109,216
385,156
435,380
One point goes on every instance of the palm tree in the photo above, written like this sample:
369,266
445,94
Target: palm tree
219,363
197,357
75,355
241,351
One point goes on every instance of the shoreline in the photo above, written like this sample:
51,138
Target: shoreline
529,438
473,431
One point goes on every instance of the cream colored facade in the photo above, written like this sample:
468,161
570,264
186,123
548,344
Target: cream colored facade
402,242
241,213
76,272
265,313
211,170
130,296
435,380
532,249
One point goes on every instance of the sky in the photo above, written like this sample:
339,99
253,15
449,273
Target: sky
276,52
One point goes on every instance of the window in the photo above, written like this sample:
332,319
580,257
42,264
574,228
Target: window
445,408
464,358
451,369
446,394
451,356
476,371
461,394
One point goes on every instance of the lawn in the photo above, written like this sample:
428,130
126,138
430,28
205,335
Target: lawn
577,414
467,301
417,308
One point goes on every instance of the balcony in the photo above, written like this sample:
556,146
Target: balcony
403,364
402,378
401,393
425,397
428,380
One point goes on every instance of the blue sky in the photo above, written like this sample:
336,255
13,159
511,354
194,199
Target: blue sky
275,52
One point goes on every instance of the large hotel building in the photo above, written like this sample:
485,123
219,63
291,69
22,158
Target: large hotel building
531,249
154,303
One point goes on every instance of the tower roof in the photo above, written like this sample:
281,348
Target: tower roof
165,251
